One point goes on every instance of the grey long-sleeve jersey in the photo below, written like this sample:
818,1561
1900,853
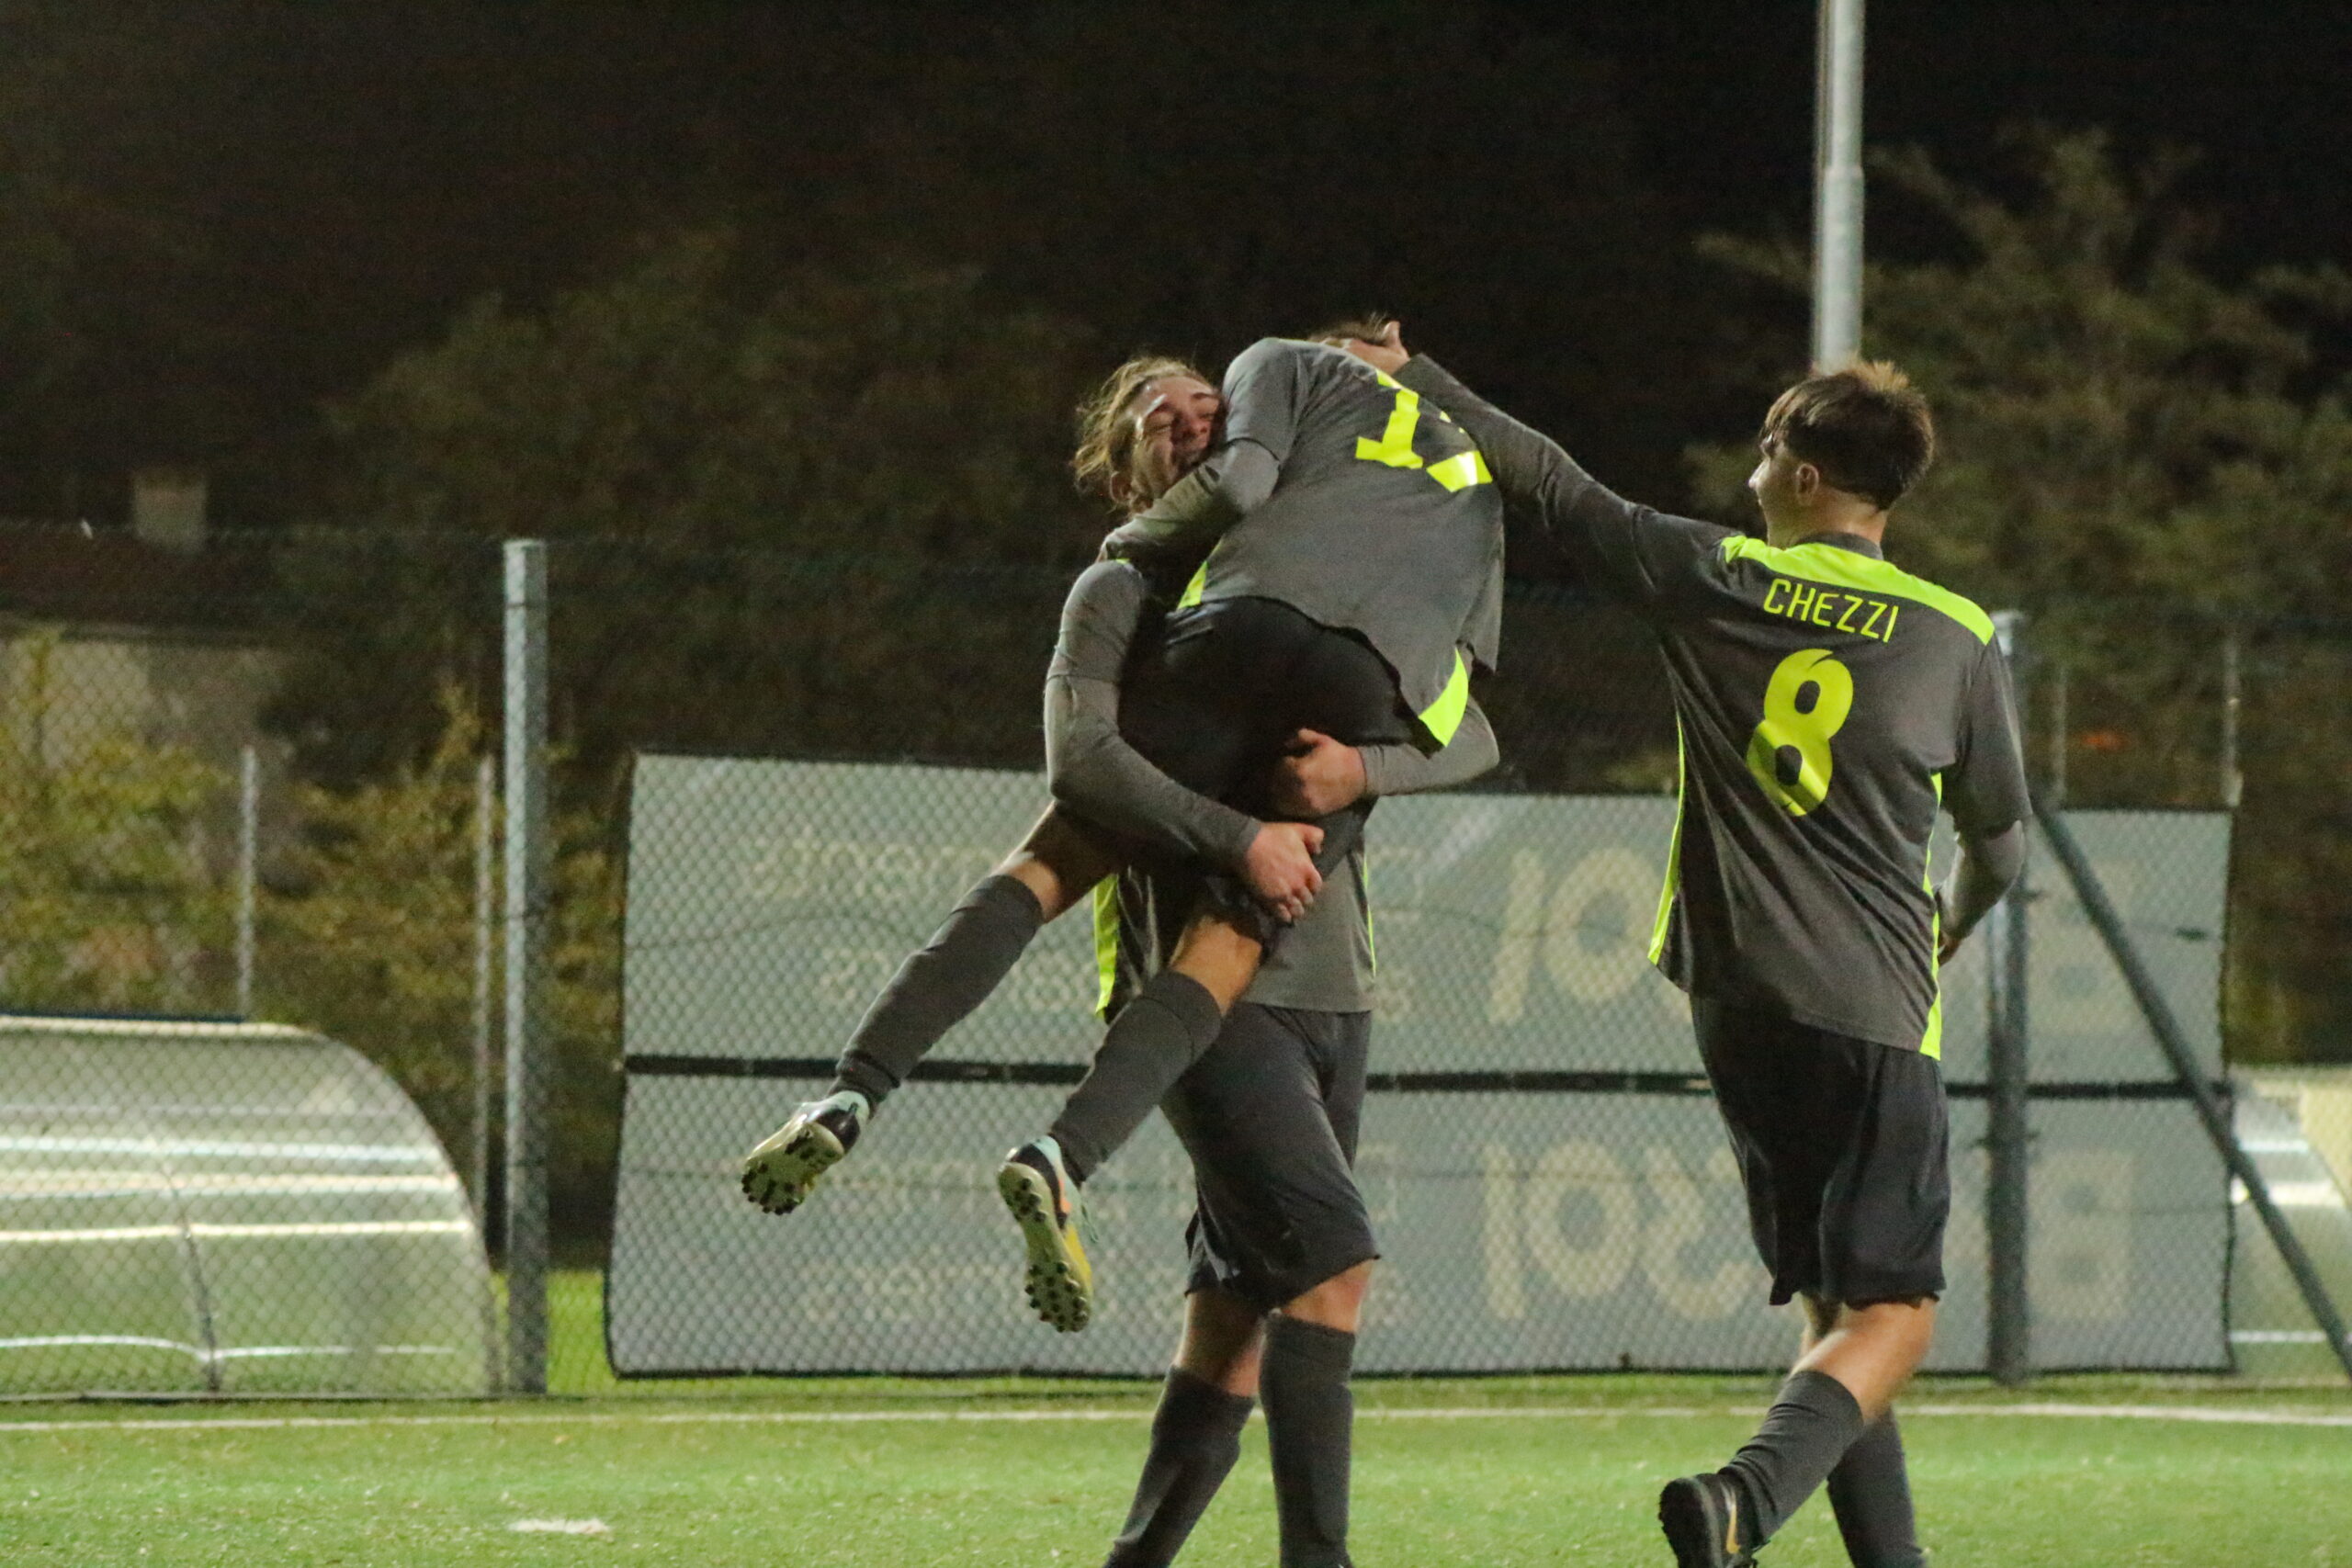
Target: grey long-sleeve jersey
1337,491
1827,703
1324,961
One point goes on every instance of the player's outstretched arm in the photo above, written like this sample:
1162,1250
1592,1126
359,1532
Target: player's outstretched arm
1092,771
1633,551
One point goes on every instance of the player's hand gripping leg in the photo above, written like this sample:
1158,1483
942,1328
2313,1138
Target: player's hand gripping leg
1280,867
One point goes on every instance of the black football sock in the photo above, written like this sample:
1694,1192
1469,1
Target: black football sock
1173,1020
1871,1491
1195,1437
934,989
1310,1416
1804,1435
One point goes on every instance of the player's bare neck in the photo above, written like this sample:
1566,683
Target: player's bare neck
1857,519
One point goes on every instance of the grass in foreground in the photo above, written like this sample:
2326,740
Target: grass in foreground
713,1483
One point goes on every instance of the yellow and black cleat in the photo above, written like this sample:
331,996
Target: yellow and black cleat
1036,1187
779,1175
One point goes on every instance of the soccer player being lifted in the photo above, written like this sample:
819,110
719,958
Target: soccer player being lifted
1356,576
1829,703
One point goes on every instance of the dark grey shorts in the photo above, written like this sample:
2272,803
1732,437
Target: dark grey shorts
1270,1116
1214,699
1844,1149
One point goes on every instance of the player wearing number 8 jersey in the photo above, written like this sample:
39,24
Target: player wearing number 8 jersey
1829,703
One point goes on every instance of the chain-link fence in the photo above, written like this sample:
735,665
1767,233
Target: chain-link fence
247,778
243,778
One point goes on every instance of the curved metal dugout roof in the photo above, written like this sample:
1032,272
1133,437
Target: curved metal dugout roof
197,1206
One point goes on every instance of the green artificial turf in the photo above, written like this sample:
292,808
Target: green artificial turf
1519,1470
722,1482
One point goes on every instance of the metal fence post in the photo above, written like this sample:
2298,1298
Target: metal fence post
248,858
2059,721
2212,1111
2007,1329
2233,781
485,970
527,913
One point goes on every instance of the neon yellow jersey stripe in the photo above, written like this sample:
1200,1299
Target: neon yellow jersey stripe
1106,941
1673,851
1195,589
1443,716
1931,1043
1462,470
1846,568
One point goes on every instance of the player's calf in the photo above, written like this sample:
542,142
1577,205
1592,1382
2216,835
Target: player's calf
782,1171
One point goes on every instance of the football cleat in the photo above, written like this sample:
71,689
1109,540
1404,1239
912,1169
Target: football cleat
779,1175
1699,1515
1045,1204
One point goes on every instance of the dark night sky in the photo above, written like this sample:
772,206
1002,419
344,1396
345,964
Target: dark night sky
2259,89
310,188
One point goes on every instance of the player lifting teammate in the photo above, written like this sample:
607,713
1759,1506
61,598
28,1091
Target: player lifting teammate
1829,703
1359,582
1281,1242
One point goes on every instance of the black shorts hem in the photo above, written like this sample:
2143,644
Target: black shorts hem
1266,1290
1868,1291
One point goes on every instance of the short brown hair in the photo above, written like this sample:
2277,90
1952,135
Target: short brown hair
1106,428
1865,427
1367,327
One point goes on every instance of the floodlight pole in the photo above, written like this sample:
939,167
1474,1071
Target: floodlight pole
1837,188
527,916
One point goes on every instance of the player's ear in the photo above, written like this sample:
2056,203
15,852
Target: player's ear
1804,481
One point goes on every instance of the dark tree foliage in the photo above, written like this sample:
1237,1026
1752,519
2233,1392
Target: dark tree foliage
220,215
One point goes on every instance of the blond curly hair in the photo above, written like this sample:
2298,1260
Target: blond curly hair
1107,430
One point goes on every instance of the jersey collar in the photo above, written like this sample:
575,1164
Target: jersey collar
1854,542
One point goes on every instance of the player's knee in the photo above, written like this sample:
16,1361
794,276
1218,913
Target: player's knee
1891,1318
1058,862
1223,1338
1040,878
1219,956
1337,1302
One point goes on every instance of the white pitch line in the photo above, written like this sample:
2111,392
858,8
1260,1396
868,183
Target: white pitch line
2216,1414
2221,1415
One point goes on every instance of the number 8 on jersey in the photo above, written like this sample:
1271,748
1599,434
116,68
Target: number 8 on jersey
1807,732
